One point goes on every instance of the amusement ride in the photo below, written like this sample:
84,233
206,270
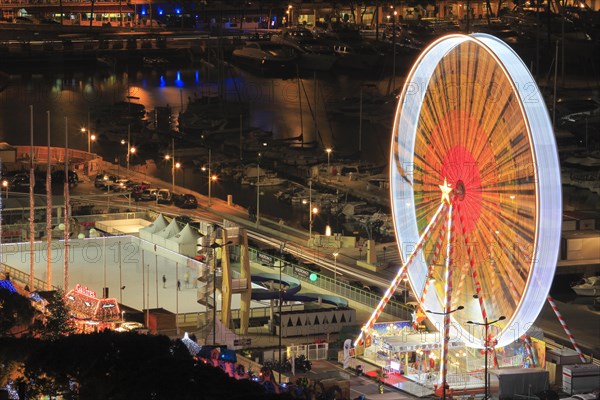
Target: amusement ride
476,195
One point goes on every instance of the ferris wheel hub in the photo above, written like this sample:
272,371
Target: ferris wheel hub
459,190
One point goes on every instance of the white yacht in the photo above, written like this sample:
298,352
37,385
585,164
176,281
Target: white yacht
313,54
265,55
589,287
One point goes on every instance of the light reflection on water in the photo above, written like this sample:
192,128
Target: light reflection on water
284,106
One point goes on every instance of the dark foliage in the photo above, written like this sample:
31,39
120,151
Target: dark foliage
111,365
15,311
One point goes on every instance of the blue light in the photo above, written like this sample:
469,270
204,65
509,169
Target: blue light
160,11
197,76
162,81
178,81
178,11
143,12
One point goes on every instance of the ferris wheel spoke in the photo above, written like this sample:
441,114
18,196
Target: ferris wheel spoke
472,265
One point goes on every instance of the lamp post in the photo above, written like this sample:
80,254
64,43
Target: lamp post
311,210
215,246
486,324
328,151
92,140
130,149
88,129
209,176
444,360
258,190
172,158
281,247
5,186
335,256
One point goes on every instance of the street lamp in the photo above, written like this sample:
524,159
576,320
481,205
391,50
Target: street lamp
444,360
5,186
88,129
210,178
174,165
281,247
130,149
486,324
258,189
215,246
335,256
328,151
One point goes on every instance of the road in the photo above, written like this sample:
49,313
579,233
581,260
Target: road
583,322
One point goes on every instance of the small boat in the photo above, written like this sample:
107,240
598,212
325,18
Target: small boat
589,287
107,62
313,54
265,55
154,62
269,180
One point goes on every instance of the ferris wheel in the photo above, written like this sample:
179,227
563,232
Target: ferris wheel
475,189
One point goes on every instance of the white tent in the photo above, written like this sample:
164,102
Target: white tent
160,237
159,224
184,242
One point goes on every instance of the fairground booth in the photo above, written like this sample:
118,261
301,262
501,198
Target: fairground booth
90,313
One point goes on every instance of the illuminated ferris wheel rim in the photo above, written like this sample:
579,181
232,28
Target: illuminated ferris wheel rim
547,184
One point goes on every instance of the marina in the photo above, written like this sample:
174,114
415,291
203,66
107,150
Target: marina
271,187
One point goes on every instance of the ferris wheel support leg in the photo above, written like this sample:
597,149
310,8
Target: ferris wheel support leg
436,253
396,281
529,349
566,329
448,290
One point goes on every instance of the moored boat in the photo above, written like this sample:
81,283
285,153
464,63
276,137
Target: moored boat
265,55
589,287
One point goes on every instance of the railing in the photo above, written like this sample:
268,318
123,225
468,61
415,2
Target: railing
23,278
312,351
327,283
200,318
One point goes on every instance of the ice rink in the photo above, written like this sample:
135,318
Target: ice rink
116,262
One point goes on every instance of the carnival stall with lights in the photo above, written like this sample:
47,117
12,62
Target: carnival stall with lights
476,202
91,313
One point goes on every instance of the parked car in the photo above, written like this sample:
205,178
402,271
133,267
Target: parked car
185,201
120,185
104,180
130,326
19,182
59,177
149,194
163,196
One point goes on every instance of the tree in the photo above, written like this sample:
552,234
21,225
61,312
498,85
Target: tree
57,321
16,313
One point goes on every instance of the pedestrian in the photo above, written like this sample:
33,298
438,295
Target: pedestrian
186,277
164,281
178,284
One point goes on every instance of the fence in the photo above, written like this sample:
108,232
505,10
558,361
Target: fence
327,283
313,351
